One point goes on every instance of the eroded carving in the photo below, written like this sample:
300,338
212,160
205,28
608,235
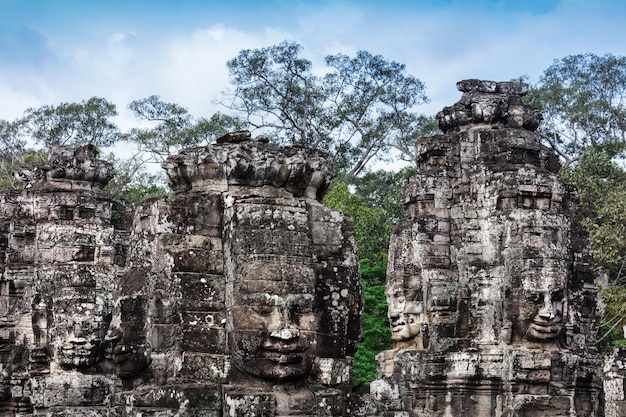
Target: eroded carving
60,266
489,256
241,284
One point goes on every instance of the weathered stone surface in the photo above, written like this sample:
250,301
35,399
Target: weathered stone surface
237,295
301,172
489,104
61,260
69,170
614,382
241,282
490,290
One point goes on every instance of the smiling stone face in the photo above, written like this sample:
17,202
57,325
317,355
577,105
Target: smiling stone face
540,304
406,317
274,322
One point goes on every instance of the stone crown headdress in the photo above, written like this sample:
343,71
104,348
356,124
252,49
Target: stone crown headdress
498,104
68,169
238,159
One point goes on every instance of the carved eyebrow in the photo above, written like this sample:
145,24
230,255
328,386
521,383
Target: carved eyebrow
258,299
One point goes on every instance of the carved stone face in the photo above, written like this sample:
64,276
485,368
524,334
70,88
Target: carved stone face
78,319
130,349
273,319
405,317
81,333
541,304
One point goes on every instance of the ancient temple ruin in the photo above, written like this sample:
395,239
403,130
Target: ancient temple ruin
239,295
492,302
63,251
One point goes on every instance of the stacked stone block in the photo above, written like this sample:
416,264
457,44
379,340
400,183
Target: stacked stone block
241,296
61,260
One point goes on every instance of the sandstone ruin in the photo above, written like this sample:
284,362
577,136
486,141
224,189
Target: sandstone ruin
239,294
491,296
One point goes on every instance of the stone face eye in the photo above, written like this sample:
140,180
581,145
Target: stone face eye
297,310
263,310
557,295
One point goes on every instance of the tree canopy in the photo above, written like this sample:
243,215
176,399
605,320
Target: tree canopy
583,101
174,128
73,124
358,111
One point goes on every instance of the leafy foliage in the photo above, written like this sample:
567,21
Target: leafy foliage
273,87
374,205
583,101
358,111
601,184
614,318
73,124
174,128
12,157
372,224
376,331
141,186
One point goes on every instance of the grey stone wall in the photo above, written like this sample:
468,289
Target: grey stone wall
61,259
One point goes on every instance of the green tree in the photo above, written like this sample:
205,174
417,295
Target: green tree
421,126
357,111
132,182
376,331
141,187
372,224
73,124
12,147
583,101
174,128
601,184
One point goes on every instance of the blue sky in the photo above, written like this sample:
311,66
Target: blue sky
54,51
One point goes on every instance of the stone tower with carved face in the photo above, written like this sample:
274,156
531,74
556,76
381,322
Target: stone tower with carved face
489,284
242,297
62,253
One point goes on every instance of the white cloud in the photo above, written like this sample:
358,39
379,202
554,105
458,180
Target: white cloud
192,70
188,66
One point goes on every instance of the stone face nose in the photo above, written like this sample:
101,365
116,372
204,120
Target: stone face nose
281,325
285,333
547,311
396,318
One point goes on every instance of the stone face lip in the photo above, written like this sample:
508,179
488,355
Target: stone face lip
489,104
67,169
237,159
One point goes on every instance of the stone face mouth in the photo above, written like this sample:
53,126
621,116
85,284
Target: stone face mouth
282,358
284,354
398,328
546,328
